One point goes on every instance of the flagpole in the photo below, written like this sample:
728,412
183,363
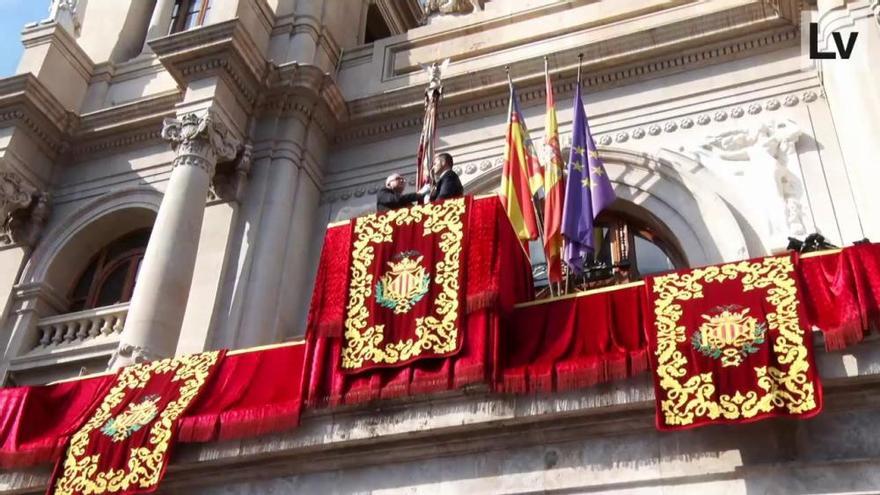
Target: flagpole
567,271
547,261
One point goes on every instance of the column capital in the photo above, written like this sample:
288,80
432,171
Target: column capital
200,140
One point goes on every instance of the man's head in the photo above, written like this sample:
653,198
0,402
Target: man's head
442,162
396,183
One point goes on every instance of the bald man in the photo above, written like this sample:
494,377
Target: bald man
392,197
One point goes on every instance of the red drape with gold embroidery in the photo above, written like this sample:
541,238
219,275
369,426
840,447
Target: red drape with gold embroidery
575,342
496,274
405,298
728,344
124,445
36,421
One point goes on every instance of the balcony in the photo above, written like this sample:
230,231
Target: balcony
83,341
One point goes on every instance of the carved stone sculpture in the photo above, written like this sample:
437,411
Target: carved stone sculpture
768,169
200,141
452,6
23,211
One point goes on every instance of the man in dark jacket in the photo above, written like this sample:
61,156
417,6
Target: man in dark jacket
392,197
447,184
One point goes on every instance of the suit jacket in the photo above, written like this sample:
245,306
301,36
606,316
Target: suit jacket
387,199
449,186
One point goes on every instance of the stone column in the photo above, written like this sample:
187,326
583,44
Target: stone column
152,327
160,22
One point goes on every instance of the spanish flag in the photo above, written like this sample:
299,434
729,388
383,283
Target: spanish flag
554,189
519,163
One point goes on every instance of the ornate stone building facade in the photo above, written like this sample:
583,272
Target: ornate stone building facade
203,145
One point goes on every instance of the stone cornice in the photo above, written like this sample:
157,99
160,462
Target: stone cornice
401,112
25,102
53,33
123,125
306,90
225,49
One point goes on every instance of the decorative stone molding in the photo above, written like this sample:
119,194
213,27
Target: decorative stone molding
434,7
762,157
65,13
200,141
230,185
23,210
132,354
24,226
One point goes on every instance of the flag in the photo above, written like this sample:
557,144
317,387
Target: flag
516,190
587,192
428,138
554,190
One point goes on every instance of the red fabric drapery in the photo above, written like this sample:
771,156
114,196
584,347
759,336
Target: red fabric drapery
728,344
575,342
36,421
841,293
251,394
124,445
497,274
404,298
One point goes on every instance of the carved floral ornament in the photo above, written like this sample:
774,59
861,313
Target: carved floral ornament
200,140
21,216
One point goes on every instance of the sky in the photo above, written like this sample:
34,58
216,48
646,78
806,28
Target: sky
14,14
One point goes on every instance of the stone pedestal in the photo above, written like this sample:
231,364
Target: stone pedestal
159,301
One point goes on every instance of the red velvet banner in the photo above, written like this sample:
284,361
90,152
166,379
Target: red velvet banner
404,297
841,293
575,342
124,445
728,345
497,275
250,394
35,422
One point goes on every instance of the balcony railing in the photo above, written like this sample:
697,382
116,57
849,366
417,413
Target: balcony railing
81,327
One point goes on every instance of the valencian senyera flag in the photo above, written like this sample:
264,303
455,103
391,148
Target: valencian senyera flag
521,177
125,445
728,343
588,190
553,189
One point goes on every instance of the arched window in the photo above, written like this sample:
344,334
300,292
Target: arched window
628,247
110,275
188,14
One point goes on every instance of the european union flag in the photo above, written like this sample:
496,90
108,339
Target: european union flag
587,191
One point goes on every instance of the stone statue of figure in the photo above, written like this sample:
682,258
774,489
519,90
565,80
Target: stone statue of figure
452,6
769,147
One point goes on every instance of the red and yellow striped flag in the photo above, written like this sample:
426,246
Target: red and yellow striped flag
554,189
516,191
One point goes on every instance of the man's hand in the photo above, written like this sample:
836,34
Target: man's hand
425,189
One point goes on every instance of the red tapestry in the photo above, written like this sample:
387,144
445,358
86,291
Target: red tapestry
405,286
124,445
497,275
575,342
727,344
35,422
250,394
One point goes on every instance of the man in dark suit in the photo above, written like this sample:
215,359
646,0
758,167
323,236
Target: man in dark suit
392,197
447,184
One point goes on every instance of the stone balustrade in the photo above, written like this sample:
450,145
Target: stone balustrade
81,326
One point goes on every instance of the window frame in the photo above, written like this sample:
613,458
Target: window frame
180,12
104,267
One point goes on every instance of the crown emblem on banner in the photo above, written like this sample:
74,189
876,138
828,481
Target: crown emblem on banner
730,334
132,419
405,284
